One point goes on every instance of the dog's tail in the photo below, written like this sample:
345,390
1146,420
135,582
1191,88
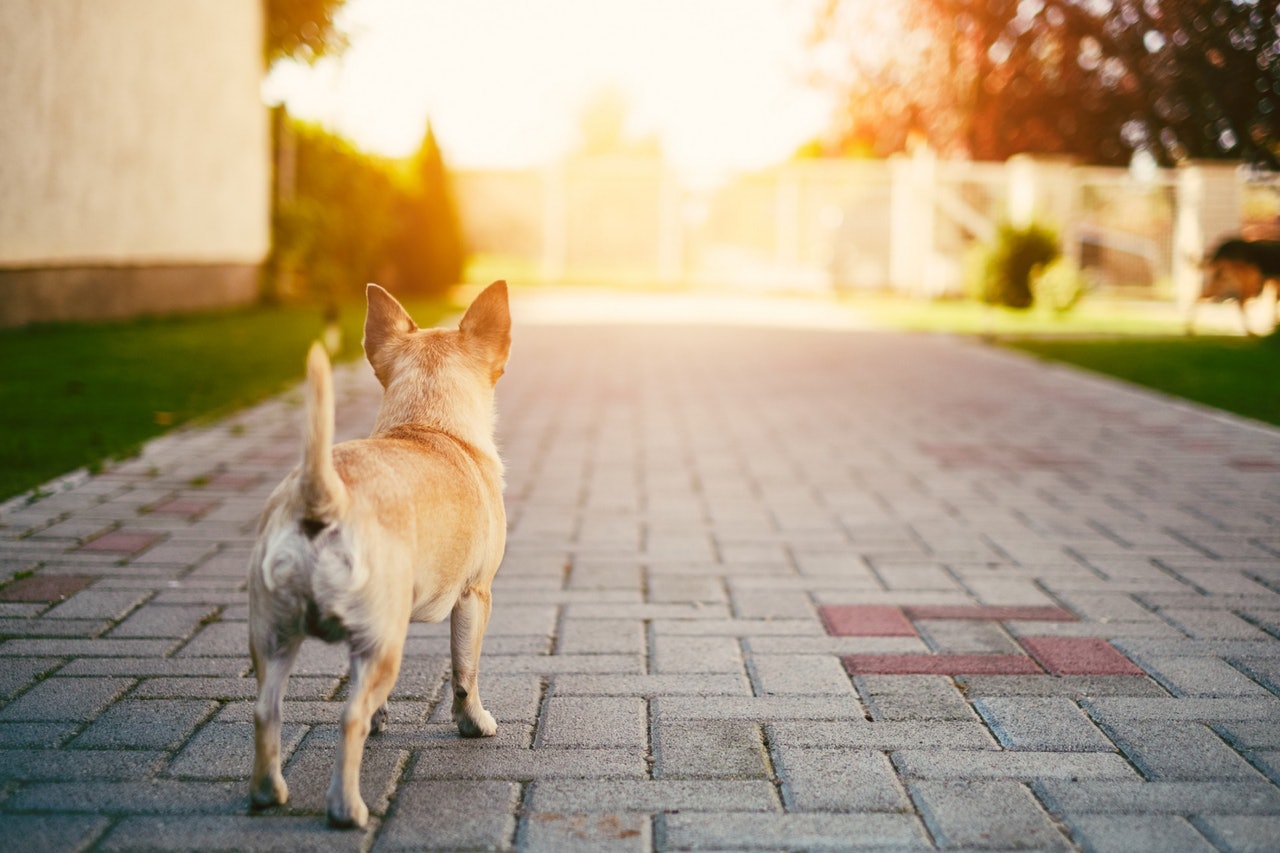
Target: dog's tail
324,495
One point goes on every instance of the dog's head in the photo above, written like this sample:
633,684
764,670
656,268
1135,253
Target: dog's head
395,345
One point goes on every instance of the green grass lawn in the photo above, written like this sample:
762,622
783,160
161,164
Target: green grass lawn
1240,375
73,395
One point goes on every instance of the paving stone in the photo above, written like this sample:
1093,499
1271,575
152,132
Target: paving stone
311,765
524,764
985,814
34,833
79,764
944,734
241,832
732,831
586,833
650,685
582,721
758,708
966,636
1242,833
44,587
600,636
940,665
466,815
913,697
124,542
572,796
225,751
97,604
1201,677
1136,833
1165,750
805,675
155,620
838,780
59,698
37,735
1041,724
852,620
19,673
1024,765
153,724
708,749
1078,656
1225,797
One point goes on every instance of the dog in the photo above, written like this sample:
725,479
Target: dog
1238,269
366,535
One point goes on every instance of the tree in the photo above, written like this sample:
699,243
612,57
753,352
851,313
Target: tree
1097,79
304,30
429,252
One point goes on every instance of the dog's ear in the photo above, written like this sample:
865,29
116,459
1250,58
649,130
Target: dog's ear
487,326
384,323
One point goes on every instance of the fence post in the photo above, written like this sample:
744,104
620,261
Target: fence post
1209,208
911,214
1042,189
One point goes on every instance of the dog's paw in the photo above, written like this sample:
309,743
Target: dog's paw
481,725
379,721
353,815
267,792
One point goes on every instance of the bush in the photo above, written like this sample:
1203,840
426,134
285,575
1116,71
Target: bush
1059,286
349,218
1004,269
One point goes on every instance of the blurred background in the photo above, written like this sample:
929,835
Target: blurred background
161,156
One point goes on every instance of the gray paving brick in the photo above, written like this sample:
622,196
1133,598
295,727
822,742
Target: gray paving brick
1211,624
139,796
79,764
143,667
1183,710
240,832
671,589
524,764
770,604
311,766
758,708
792,831
839,780
650,685
1024,765
510,698
34,833
572,796
97,647
19,673
709,749
1260,734
154,620
967,636
151,724
696,655
1136,833
913,697
1201,677
1223,797
583,721
467,815
38,735
860,734
801,675
1041,724
97,604
600,636
59,698
1242,833
225,751
985,814
1174,751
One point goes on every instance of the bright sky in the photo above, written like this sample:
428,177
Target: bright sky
504,81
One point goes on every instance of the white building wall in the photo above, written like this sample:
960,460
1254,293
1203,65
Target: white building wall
132,133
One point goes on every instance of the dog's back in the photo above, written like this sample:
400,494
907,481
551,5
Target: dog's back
1263,254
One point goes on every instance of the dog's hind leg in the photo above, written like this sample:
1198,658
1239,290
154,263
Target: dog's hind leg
373,674
272,661
468,621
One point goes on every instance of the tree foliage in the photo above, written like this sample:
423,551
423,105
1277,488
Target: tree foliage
1096,79
429,251
304,30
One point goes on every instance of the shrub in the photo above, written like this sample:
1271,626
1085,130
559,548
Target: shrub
1059,286
1006,265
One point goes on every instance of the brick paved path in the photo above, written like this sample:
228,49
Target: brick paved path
781,589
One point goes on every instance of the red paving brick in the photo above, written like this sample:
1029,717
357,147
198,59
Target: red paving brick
865,620
44,588
992,614
124,541
1079,656
940,665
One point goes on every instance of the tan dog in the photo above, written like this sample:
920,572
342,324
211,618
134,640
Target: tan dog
362,537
